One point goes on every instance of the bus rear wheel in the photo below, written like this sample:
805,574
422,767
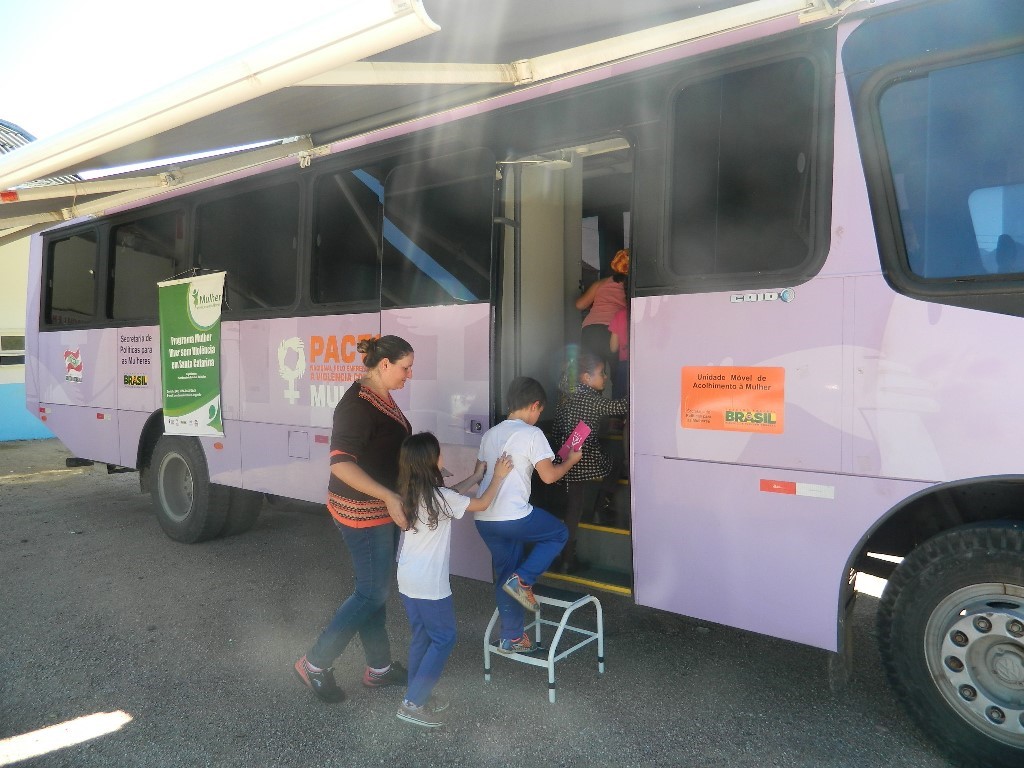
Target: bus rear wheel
951,634
189,507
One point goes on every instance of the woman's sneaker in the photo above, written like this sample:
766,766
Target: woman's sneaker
523,593
423,716
320,682
396,675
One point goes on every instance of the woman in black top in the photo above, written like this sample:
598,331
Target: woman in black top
368,431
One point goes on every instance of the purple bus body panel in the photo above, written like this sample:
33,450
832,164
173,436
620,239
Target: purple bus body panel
133,360
923,383
294,370
710,330
710,544
129,428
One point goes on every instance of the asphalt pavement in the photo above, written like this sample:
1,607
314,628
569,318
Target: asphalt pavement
186,652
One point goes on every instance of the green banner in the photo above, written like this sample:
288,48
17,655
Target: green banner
190,354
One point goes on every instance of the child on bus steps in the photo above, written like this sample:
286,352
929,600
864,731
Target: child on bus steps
423,566
587,404
510,522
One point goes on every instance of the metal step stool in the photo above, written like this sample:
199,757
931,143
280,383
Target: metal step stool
568,602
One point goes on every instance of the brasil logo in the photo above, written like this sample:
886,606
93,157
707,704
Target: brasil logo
767,418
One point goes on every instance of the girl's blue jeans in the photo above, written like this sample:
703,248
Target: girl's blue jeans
433,637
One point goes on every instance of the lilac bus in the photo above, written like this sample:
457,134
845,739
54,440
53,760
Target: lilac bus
826,223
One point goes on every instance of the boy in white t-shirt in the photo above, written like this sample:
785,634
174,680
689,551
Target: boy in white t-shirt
423,563
510,521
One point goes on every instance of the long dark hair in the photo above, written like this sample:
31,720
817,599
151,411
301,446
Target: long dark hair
419,479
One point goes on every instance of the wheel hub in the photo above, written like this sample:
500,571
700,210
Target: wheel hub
176,487
980,658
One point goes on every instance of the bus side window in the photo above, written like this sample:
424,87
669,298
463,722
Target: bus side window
346,240
143,252
958,199
438,230
253,236
741,175
71,280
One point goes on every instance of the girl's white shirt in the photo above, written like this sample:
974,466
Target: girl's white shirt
424,555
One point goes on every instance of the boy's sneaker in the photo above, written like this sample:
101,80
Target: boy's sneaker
519,645
421,716
321,683
396,675
523,593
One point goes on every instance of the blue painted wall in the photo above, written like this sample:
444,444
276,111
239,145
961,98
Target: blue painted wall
16,423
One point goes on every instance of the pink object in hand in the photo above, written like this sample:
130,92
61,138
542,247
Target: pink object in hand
575,441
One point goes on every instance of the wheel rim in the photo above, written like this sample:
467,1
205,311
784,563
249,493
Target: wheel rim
974,647
175,487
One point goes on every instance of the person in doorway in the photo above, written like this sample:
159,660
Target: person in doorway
368,432
511,522
587,404
423,566
618,344
604,298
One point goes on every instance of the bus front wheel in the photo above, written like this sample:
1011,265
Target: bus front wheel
951,635
189,507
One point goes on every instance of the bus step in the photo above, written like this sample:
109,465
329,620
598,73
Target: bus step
115,469
594,577
74,461
605,548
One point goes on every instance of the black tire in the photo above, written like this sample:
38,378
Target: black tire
189,507
243,510
951,635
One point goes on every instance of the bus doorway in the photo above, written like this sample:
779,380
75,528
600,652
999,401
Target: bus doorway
565,213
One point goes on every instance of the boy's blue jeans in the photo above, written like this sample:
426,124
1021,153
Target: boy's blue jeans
373,559
505,539
433,636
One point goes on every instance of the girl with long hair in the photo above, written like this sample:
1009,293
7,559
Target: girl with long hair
423,564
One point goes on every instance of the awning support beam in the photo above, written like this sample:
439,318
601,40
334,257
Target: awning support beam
193,174
83,188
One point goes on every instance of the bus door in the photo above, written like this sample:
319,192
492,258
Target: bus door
436,292
738,361
565,214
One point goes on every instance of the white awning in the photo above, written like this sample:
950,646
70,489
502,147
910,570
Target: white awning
331,79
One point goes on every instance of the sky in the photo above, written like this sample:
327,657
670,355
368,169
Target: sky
67,61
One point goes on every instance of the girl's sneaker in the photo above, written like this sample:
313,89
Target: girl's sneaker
438,702
421,716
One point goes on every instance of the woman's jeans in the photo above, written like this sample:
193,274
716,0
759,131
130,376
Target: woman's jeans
433,637
506,539
373,558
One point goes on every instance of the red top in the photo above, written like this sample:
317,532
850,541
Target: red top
609,299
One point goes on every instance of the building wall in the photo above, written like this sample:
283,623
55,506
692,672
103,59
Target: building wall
16,423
